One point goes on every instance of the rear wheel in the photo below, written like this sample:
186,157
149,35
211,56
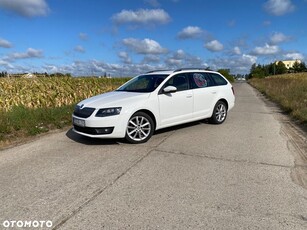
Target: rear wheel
140,128
219,113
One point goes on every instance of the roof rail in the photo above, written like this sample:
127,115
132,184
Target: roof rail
158,70
181,69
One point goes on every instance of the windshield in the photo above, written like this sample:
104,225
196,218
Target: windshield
143,83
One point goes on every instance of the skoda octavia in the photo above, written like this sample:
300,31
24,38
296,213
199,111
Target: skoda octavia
152,101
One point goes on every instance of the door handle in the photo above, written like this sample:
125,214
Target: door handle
189,95
213,92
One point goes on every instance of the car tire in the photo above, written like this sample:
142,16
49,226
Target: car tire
140,128
219,113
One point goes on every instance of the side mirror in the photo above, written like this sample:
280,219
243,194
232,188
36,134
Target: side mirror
170,89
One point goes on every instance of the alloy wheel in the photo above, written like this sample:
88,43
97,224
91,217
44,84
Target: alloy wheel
139,128
220,112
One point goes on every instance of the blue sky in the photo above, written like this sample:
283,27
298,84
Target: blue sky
129,37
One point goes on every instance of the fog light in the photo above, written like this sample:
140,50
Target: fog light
105,130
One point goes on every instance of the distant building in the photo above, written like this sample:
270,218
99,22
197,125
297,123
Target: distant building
289,63
29,75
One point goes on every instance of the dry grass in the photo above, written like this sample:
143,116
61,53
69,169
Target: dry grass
288,90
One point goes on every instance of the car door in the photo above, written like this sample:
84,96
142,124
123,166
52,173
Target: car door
176,107
205,94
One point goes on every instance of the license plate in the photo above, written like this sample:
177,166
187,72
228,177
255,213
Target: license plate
78,122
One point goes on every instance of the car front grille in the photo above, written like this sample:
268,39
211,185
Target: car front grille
84,112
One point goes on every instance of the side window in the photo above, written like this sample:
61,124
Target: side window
180,81
200,80
219,80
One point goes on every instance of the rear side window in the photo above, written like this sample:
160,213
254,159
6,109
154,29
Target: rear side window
219,80
200,80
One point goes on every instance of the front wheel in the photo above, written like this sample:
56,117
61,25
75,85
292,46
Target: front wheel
219,113
140,128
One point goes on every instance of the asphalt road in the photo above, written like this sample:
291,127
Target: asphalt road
248,173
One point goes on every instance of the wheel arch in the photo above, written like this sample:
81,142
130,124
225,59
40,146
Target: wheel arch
223,100
149,113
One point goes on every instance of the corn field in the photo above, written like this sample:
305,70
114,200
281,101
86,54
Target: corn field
48,92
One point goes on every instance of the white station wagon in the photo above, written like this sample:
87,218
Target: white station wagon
152,101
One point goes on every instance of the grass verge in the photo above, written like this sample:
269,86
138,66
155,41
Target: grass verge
21,122
288,90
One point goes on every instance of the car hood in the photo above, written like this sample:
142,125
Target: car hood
113,99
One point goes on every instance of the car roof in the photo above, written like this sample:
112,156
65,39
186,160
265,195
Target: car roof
179,70
168,72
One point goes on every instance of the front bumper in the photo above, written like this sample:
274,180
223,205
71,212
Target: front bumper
102,127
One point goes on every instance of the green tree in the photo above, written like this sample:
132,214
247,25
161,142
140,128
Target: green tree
257,71
226,73
303,67
296,67
281,68
271,69
252,70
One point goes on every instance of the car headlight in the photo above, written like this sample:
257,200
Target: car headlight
108,112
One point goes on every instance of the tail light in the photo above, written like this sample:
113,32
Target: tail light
233,91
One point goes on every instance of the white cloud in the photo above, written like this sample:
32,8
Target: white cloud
266,50
240,64
5,44
141,17
146,46
151,58
125,58
179,54
79,49
180,58
279,38
249,59
26,8
190,32
173,62
279,7
98,68
214,46
237,50
294,56
30,53
177,58
51,68
6,64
